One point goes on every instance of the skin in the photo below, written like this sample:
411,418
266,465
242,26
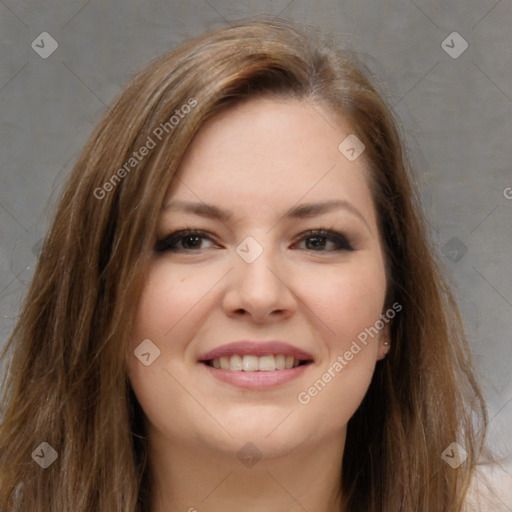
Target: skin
257,160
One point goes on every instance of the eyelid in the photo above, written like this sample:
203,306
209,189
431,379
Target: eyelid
162,244
330,234
343,241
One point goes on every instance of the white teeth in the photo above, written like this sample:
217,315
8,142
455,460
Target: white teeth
250,363
280,365
267,363
235,363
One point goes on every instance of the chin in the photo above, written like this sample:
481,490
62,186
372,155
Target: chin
269,433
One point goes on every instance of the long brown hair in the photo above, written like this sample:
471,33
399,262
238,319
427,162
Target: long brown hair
66,381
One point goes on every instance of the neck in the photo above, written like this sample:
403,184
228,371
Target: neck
202,478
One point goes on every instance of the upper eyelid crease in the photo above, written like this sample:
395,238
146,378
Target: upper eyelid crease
301,211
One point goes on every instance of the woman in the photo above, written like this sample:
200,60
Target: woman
237,307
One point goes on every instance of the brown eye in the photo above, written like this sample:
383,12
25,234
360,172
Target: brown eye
182,241
322,238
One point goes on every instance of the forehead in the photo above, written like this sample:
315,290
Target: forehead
270,152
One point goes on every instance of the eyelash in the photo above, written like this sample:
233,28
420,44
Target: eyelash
167,244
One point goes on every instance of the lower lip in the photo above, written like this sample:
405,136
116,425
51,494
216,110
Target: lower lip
257,380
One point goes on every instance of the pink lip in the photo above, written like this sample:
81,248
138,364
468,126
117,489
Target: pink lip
257,348
257,380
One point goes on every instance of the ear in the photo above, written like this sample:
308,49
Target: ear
384,342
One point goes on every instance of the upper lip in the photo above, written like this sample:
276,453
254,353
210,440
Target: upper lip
256,348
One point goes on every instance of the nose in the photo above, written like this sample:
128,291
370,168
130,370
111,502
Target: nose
260,290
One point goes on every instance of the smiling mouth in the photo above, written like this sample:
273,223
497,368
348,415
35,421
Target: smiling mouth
253,363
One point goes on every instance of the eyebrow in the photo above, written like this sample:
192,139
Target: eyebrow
305,210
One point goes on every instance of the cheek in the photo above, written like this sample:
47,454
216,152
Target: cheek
336,400
348,302
164,316
347,299
167,300
164,306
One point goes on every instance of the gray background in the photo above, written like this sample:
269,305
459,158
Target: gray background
456,113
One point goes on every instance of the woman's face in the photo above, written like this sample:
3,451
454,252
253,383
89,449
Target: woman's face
259,289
